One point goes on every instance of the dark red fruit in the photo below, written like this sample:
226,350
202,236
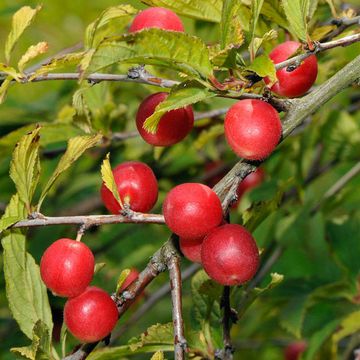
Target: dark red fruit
173,126
191,248
156,17
137,186
67,267
250,182
252,129
229,255
133,275
297,82
191,210
294,350
91,316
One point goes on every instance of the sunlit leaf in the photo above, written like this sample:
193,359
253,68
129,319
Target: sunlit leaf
32,52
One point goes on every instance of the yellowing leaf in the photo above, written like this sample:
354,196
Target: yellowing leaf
122,277
231,27
10,71
76,147
32,52
159,355
25,166
21,20
4,88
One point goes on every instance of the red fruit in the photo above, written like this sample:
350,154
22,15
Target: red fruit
133,275
91,316
191,248
137,186
156,17
297,82
67,267
173,126
252,129
295,349
229,255
191,210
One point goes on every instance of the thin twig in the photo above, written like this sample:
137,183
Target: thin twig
342,24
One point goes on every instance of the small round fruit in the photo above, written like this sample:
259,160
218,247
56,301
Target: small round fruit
252,129
91,316
191,248
137,187
133,275
156,17
67,267
191,210
229,255
296,82
294,350
173,126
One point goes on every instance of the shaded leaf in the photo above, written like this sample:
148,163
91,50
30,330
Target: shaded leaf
209,10
174,50
25,166
273,10
32,52
82,117
256,6
14,212
21,20
4,88
108,179
76,147
231,29
208,135
258,42
186,93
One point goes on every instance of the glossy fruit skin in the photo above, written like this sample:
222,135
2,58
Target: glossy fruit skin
174,126
156,17
67,267
133,275
230,255
191,248
252,129
91,316
297,82
294,350
137,186
191,210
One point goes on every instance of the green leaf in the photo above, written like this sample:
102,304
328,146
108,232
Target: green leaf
25,290
264,67
40,347
10,71
99,267
82,117
111,13
256,6
231,28
159,355
21,20
122,277
4,88
208,135
76,147
174,50
258,42
273,10
297,12
32,52
109,181
14,212
209,10
186,93
25,166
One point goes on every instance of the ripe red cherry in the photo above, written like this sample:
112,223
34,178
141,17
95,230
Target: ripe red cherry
91,316
67,267
229,255
137,186
191,248
191,210
156,17
297,82
173,126
133,275
294,350
252,129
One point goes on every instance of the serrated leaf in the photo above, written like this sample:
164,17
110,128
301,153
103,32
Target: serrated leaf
208,135
4,88
21,20
256,6
174,50
14,212
32,52
105,17
10,71
76,147
25,166
82,117
268,36
159,355
297,12
122,277
293,314
231,24
264,67
108,179
25,291
154,335
186,93
273,10
209,10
